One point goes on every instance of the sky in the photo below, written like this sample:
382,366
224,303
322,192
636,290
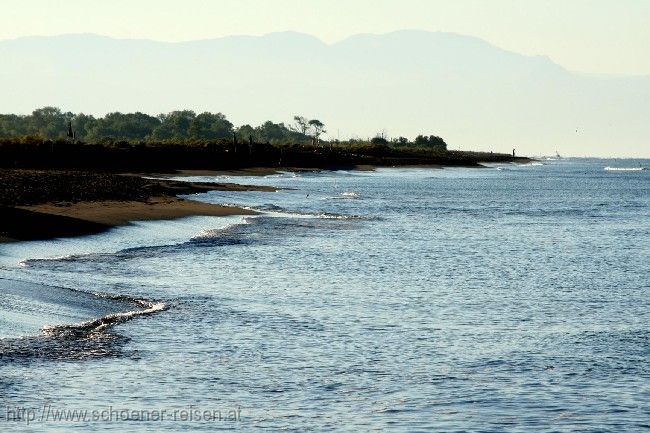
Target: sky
592,36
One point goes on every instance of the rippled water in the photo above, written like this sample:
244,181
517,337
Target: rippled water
508,298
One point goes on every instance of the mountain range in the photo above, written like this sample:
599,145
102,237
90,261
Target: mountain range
475,95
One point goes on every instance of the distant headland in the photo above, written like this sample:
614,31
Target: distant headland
52,139
65,174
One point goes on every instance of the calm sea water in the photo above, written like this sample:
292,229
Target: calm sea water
510,298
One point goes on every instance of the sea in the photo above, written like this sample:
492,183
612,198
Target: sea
505,298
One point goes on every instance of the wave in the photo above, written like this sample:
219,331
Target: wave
511,167
70,257
335,216
211,233
226,235
348,195
53,262
104,322
33,303
608,168
274,210
268,227
37,299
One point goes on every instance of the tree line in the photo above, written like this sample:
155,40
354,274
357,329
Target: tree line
51,123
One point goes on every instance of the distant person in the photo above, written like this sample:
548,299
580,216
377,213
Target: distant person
71,134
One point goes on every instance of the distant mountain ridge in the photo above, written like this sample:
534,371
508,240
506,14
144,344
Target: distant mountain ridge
470,92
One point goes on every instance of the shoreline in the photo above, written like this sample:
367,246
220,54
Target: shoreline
48,204
54,220
265,171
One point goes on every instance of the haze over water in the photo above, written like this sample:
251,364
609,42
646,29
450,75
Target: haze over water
507,298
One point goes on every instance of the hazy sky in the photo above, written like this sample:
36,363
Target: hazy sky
602,36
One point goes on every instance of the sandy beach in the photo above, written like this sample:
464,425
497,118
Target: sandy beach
122,212
49,204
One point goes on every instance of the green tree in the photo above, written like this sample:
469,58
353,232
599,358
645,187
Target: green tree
13,125
437,142
421,140
273,132
209,126
48,122
174,125
130,126
246,131
83,124
432,141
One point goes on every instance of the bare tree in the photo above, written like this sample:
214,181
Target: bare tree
301,124
318,128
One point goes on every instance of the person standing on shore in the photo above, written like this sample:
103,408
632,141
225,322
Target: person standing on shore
70,132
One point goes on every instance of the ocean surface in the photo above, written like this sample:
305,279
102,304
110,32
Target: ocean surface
507,298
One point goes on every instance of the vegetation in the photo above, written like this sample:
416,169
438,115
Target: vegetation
50,138
51,123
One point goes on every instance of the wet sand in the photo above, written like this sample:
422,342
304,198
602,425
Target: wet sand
51,220
49,204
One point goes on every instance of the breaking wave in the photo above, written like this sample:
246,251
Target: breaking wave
102,323
91,338
608,168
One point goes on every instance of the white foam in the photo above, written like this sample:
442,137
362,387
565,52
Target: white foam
210,233
105,321
608,168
